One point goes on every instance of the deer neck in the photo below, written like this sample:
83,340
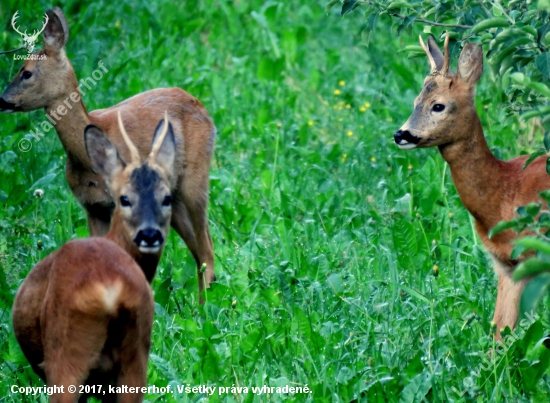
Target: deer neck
477,175
147,261
68,115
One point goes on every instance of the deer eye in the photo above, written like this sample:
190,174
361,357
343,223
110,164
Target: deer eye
26,75
438,108
124,201
167,201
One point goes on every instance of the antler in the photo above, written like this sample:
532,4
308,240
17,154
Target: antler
15,16
35,35
447,55
134,153
433,66
446,60
159,140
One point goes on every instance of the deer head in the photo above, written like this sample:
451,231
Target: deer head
141,190
41,82
445,107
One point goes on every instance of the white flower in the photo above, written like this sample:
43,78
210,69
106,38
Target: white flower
38,193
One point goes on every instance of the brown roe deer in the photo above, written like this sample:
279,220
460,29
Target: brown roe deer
445,117
84,314
51,84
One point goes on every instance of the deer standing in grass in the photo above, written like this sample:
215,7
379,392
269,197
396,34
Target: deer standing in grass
445,116
84,314
51,84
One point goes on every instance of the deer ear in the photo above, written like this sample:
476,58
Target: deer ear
470,64
167,151
56,33
103,154
435,52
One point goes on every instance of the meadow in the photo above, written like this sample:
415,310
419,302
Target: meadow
343,263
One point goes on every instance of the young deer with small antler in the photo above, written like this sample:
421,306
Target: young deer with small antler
50,83
445,116
84,314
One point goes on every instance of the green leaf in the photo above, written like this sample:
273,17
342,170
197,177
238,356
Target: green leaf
545,195
517,252
270,69
501,226
490,23
45,180
417,389
534,156
543,63
399,4
344,375
534,292
164,367
547,140
331,4
532,209
162,292
540,88
348,6
414,293
531,267
336,284
411,48
497,59
539,111
532,243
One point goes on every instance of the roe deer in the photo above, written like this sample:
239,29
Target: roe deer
84,314
445,116
51,84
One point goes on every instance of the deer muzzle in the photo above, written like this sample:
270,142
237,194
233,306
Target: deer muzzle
405,139
6,107
149,240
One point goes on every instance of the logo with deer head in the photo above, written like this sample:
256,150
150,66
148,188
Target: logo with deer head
30,40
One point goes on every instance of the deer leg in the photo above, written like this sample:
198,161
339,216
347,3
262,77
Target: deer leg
71,347
190,222
133,355
134,376
508,298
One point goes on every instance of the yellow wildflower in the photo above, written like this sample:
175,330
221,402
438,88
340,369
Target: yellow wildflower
372,159
362,109
337,92
310,123
350,133
341,83
344,157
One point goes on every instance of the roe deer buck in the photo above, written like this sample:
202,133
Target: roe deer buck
51,84
84,314
445,116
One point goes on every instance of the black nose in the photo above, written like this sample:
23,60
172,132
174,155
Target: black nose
405,137
6,105
149,237
401,135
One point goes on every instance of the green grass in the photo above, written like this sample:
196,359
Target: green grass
326,234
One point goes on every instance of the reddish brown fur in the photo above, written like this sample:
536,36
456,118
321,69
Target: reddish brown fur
68,334
490,189
52,83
